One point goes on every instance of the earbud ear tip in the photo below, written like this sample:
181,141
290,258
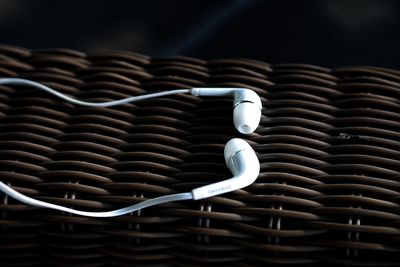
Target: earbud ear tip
233,146
246,117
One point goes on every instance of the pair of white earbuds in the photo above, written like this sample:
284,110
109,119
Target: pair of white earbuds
239,156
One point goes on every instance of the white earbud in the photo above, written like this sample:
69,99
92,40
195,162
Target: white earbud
246,103
246,106
239,157
242,161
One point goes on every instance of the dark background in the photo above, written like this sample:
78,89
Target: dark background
329,33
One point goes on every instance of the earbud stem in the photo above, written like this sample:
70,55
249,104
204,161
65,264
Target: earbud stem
209,91
245,168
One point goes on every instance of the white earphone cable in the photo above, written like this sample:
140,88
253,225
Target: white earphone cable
18,81
38,203
144,204
249,103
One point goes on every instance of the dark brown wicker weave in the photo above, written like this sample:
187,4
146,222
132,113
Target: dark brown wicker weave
328,143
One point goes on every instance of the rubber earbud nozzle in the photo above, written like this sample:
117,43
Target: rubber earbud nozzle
246,117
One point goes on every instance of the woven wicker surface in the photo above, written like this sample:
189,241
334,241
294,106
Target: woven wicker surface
328,144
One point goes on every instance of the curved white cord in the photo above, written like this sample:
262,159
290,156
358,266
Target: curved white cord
147,203
18,81
38,203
